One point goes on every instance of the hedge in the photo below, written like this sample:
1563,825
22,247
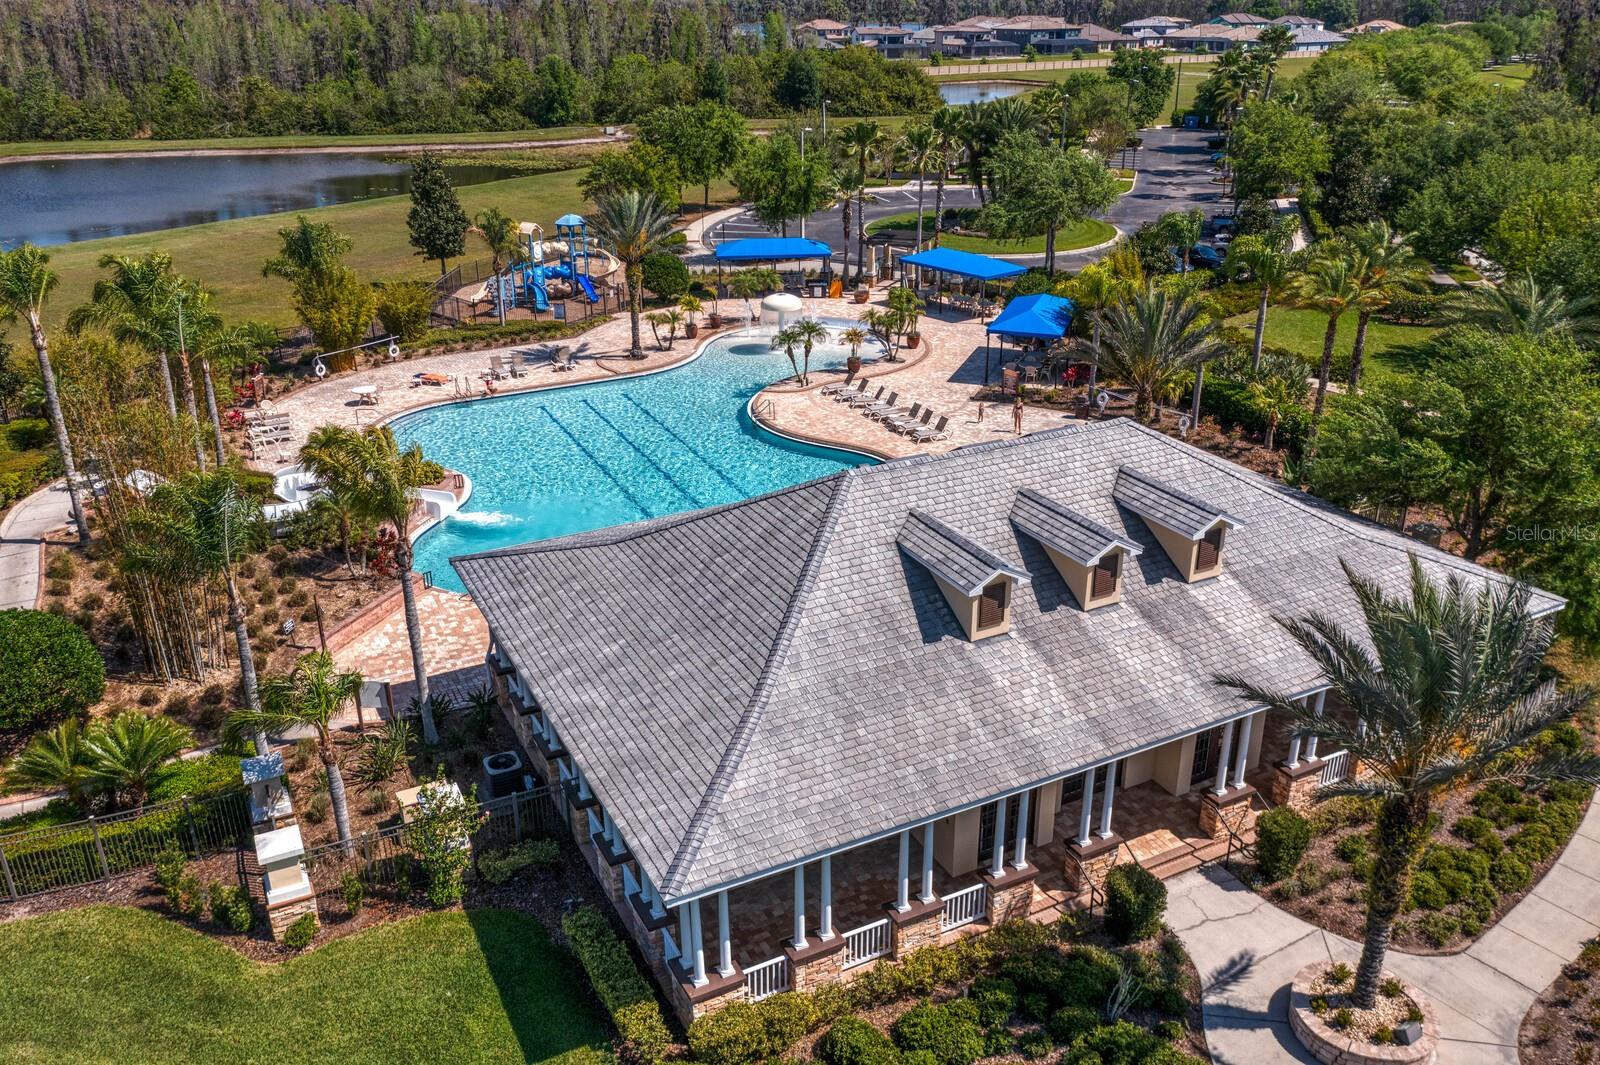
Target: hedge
617,982
1282,836
1231,403
49,669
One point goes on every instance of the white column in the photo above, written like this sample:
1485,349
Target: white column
1087,812
997,860
902,898
549,732
1106,795
799,938
1311,742
724,940
583,786
608,827
1222,761
826,926
656,909
1294,750
698,954
1241,750
685,926
927,863
1019,858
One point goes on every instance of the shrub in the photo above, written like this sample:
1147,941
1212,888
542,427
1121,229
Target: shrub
1510,873
949,1032
1569,791
996,998
1036,1045
1343,1017
48,669
499,866
230,907
440,835
1088,976
198,778
997,1042
299,935
354,892
1170,1030
852,1041
1438,928
665,274
1427,893
1122,1042
1339,972
1391,988
1135,902
404,308
1561,817
1232,403
1478,831
1383,1035
1352,848
1069,1022
1034,1006
1282,836
624,993
1534,843
169,872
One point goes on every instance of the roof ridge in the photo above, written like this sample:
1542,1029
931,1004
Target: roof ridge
744,733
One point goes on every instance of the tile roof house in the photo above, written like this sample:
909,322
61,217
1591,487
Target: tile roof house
958,657
1045,34
1240,18
1378,25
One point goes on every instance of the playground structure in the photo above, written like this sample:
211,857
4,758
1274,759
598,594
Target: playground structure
570,267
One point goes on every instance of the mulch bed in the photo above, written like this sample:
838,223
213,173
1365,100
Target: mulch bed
1564,1022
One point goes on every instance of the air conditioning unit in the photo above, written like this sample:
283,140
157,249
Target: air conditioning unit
502,774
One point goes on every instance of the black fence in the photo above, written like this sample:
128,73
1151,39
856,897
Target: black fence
37,861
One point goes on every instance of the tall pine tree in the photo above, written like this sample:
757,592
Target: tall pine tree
438,224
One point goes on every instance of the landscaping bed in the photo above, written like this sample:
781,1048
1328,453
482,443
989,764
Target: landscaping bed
1564,1022
960,234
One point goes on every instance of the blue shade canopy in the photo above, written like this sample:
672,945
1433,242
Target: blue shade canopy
1040,316
765,249
570,220
963,264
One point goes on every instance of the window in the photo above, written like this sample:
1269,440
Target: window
1209,551
992,605
1106,572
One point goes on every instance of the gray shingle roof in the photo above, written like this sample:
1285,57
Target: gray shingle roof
1166,506
950,555
1064,529
750,686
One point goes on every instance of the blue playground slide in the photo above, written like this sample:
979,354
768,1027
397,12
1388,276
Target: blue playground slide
588,288
541,296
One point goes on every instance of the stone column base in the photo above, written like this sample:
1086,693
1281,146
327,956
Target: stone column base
1088,864
819,962
919,926
1295,786
690,1002
1231,809
1010,894
284,914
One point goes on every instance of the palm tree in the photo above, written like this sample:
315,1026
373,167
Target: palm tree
752,282
848,184
855,336
1388,269
1149,340
1050,105
55,760
1269,269
227,347
1522,307
499,232
126,305
788,339
946,123
125,756
325,455
310,696
1093,290
25,283
810,331
672,318
1274,396
632,225
1183,229
1452,691
1330,285
921,146
217,526
382,483
860,141
1273,44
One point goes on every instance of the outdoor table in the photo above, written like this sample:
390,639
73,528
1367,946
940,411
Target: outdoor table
366,394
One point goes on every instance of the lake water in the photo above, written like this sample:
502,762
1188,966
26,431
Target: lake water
84,199
956,93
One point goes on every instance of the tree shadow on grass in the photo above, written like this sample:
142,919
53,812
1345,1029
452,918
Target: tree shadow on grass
546,998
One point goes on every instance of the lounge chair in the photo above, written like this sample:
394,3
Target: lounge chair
911,425
884,409
901,423
939,431
561,358
846,394
838,386
861,399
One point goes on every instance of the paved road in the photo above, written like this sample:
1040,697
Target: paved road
1174,174
21,534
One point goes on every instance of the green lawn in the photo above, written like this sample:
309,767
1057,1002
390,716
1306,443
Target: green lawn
298,140
1301,331
1511,75
108,984
1089,232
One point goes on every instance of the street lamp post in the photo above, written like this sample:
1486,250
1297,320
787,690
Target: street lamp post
803,131
825,121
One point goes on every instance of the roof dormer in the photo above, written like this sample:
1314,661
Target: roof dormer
979,585
1089,557
1193,533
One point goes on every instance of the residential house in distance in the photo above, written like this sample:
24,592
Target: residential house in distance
1299,22
891,42
822,33
1241,18
892,707
984,36
1150,30
1378,25
1216,36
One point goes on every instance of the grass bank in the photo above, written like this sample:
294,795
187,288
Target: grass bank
115,984
1301,331
24,149
1084,234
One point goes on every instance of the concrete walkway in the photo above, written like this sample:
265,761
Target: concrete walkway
1246,950
21,535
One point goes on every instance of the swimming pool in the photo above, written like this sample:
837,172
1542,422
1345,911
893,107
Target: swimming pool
604,453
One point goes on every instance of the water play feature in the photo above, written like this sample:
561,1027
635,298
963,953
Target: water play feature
604,453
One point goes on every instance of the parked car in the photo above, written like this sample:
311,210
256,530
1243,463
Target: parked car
1206,256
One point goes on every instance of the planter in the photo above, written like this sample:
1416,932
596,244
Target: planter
862,294
714,320
852,365
1334,1046
691,330
913,340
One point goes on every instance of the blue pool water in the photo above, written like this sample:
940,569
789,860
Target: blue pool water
567,460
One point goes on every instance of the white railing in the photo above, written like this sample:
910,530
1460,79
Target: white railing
964,907
767,979
1335,767
867,942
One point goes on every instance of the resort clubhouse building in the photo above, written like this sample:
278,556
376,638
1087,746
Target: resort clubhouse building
894,706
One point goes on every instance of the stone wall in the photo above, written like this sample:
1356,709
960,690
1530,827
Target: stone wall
1296,786
1232,809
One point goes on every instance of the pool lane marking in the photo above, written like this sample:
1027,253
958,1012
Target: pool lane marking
598,464
673,481
690,448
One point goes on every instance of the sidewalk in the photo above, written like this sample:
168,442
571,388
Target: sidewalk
1482,993
21,537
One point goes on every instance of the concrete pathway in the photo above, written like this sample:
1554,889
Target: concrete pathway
21,536
1246,950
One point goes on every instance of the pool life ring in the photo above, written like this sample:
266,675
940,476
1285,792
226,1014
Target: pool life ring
319,367
394,349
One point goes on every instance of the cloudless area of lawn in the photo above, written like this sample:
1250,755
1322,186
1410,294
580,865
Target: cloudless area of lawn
1301,331
109,984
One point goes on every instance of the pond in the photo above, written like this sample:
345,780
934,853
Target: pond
956,93
68,200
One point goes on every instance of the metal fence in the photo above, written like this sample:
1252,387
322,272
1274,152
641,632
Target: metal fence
41,860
